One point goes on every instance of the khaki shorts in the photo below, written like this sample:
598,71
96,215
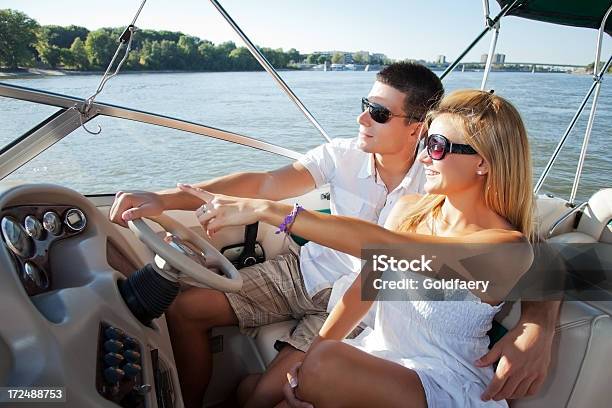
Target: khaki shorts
273,291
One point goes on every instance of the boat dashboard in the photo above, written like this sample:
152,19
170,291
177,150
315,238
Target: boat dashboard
65,323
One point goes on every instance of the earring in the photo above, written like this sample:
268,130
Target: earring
479,172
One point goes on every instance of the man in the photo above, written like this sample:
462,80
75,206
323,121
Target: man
379,165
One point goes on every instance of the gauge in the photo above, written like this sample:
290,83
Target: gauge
36,275
52,223
75,219
16,237
33,227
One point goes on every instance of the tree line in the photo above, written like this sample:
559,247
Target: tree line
25,43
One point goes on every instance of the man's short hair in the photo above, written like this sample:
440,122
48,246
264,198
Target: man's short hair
422,87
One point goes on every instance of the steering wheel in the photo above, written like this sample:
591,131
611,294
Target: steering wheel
193,262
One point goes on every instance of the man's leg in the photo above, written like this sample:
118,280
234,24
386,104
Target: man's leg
192,314
269,294
269,389
246,387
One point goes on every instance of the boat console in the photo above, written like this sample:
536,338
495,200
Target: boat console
62,264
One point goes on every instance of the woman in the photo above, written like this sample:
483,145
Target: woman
420,353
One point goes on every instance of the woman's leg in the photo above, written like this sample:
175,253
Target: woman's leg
335,374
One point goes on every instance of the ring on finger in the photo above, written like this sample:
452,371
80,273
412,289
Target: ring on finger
202,209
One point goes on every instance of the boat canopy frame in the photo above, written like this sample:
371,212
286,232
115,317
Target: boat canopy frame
546,10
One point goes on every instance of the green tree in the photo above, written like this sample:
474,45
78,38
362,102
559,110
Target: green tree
150,55
66,57
49,54
63,37
337,58
188,47
313,58
242,60
100,48
17,38
206,53
294,55
171,56
79,57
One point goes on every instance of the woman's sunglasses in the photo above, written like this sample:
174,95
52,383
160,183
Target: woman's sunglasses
437,146
379,113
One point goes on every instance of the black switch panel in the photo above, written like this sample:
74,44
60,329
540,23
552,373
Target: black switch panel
119,368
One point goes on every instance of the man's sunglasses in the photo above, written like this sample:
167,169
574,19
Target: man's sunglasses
437,146
379,113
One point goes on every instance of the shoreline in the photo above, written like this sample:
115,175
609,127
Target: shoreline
40,72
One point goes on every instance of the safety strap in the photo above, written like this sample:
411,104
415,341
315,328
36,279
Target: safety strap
248,256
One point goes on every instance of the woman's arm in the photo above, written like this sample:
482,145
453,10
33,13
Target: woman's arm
351,235
345,234
347,313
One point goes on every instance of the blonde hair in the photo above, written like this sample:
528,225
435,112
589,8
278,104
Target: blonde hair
493,127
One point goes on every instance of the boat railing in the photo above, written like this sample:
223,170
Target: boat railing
68,119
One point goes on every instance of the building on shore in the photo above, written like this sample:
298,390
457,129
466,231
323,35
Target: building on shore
499,59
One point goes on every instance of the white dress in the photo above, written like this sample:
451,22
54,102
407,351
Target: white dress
440,340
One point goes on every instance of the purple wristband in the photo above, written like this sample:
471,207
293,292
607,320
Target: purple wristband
289,219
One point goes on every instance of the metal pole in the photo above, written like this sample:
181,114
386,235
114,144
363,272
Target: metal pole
597,76
268,67
553,158
485,8
492,23
492,47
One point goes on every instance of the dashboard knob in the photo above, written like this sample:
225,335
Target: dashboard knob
113,374
132,356
113,346
114,333
132,370
130,343
113,359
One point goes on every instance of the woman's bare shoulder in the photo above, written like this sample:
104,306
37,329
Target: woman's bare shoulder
398,212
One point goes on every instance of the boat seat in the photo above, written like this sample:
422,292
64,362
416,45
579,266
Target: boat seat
267,336
594,225
581,365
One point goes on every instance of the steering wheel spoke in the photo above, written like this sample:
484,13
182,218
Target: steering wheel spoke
188,253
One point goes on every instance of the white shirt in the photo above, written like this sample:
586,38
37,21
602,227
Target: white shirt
355,191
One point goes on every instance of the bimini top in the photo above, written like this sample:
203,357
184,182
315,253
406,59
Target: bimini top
585,13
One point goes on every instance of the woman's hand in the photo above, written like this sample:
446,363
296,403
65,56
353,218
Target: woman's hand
291,385
220,211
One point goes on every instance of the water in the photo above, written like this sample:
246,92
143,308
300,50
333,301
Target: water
130,155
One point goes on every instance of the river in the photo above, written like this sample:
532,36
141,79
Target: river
130,155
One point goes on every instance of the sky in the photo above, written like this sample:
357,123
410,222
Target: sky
400,29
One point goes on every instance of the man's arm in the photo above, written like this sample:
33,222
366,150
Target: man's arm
289,181
524,353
